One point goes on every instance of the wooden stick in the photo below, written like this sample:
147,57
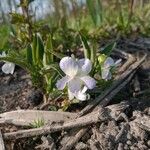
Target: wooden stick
91,118
131,59
2,146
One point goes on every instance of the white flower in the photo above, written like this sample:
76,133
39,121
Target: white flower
76,76
80,95
8,67
106,67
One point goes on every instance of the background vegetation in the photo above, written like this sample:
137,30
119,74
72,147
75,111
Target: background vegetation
36,34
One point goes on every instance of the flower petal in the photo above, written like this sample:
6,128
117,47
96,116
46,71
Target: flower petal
62,82
84,89
108,62
85,65
105,73
109,76
74,85
3,54
8,68
70,94
69,66
89,82
81,96
117,63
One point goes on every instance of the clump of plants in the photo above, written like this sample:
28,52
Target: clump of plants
67,63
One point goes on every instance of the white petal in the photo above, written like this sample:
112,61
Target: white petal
69,66
89,82
81,96
85,65
108,62
3,54
62,82
105,73
84,89
74,85
8,68
109,76
117,63
70,94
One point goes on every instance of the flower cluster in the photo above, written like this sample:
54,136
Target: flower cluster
77,79
107,63
8,67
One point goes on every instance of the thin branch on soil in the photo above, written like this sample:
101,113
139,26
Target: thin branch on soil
125,66
2,146
91,118
147,91
143,127
28,117
121,132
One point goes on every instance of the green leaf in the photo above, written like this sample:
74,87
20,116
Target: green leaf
109,48
17,18
19,61
49,47
40,48
37,49
93,51
57,54
95,10
29,54
86,47
34,46
54,67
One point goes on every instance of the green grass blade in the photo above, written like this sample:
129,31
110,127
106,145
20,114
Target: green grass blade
86,47
40,48
109,48
29,54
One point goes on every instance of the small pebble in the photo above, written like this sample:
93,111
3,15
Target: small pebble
120,146
129,142
141,145
134,148
81,145
148,143
126,147
129,136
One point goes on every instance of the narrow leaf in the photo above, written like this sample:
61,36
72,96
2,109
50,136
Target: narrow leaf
86,46
109,48
40,48
29,54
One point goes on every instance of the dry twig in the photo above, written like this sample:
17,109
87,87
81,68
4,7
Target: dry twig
28,117
94,117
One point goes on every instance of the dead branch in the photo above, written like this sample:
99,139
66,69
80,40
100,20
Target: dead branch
131,59
28,117
144,127
94,117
